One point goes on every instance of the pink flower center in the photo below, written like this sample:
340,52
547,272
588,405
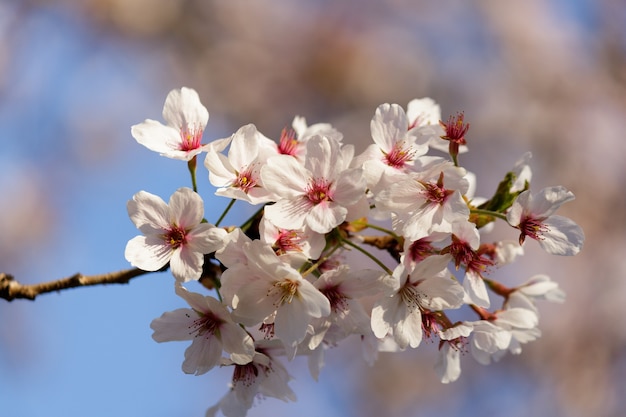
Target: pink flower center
205,325
190,138
463,254
245,180
319,191
430,323
338,300
176,237
456,128
534,228
435,192
420,250
288,142
399,156
247,374
288,241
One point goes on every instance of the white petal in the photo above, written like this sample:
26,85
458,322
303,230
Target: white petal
548,200
285,176
186,207
147,253
173,325
149,213
156,136
476,290
324,217
183,108
564,236
288,214
203,354
518,317
186,265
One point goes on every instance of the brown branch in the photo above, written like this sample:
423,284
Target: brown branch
389,243
11,289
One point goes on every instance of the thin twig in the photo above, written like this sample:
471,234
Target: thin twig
11,289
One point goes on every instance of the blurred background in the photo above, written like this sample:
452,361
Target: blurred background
542,76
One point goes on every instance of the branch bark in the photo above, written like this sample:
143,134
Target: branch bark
11,289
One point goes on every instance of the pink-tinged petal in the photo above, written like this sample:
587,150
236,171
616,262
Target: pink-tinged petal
429,267
380,326
186,265
443,293
237,343
149,213
206,238
186,207
147,253
324,217
254,305
389,126
518,317
349,188
407,327
517,210
322,157
196,301
289,214
203,354
221,172
548,200
315,303
285,176
244,147
156,136
448,365
476,290
563,237
459,330
174,325
291,322
183,108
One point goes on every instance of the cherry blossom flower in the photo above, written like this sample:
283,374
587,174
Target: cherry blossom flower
263,377
173,233
208,324
267,286
304,240
238,176
504,330
181,138
463,249
453,343
537,288
533,216
395,147
293,141
343,288
427,201
424,115
428,286
318,194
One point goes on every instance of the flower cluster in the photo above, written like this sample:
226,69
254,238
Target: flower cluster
283,283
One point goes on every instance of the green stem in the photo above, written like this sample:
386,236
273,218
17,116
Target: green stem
225,211
369,255
191,164
320,261
489,213
381,229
